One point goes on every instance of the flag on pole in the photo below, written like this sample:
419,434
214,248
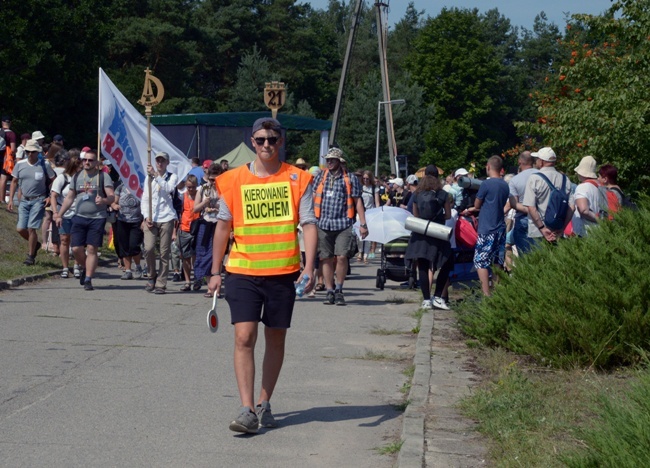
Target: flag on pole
123,138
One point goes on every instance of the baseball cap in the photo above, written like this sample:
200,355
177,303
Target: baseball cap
397,181
207,163
431,170
162,154
460,172
6,118
412,179
268,122
545,154
57,138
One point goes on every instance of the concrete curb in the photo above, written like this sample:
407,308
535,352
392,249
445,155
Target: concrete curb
411,453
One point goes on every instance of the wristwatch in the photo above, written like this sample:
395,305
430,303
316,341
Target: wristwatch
365,226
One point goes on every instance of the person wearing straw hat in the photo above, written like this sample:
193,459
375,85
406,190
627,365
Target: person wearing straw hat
588,200
301,164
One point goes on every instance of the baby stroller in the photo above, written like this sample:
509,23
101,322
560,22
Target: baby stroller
393,265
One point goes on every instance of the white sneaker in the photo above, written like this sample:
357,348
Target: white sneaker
426,304
439,303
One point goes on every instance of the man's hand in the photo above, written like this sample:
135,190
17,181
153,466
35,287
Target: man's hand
10,206
364,232
151,171
548,234
215,284
99,200
148,223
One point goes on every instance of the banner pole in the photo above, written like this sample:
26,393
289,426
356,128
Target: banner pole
148,100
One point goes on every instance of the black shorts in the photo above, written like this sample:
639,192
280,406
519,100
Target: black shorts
129,238
87,231
266,299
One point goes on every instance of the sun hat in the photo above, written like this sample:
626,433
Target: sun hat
32,145
37,135
545,154
587,168
334,153
301,163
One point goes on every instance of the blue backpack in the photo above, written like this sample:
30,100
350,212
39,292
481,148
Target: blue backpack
558,204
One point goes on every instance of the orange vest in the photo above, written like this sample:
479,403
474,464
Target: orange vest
318,195
188,214
264,219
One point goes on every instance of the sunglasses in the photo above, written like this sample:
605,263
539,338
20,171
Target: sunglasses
87,160
260,140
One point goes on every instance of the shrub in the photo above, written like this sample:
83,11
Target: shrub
582,302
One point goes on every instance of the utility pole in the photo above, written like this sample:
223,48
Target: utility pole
344,72
382,33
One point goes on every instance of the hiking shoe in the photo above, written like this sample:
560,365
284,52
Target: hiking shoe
82,276
329,299
88,285
338,298
137,274
76,271
65,273
264,415
127,275
439,303
176,278
245,422
426,304
29,261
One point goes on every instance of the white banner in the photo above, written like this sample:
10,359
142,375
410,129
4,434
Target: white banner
123,137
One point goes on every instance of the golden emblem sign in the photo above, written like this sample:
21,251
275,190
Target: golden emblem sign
274,96
148,98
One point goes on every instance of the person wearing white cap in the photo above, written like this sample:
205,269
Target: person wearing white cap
396,194
538,193
588,202
160,223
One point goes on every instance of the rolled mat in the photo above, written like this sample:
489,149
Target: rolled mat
428,228
469,183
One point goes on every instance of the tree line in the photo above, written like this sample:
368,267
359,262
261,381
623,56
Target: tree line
474,84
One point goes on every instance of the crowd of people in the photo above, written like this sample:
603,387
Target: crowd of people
256,229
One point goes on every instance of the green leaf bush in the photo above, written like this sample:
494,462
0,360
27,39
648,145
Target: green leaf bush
581,302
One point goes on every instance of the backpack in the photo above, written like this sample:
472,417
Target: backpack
3,142
626,201
610,201
558,204
176,199
429,206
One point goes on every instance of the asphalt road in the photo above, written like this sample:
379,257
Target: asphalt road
121,377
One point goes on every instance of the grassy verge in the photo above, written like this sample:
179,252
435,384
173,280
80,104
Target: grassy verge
13,250
538,416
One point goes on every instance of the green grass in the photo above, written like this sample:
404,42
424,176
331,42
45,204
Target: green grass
537,416
391,449
13,250
399,300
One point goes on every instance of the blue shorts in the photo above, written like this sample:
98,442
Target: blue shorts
266,299
66,226
30,213
490,249
87,231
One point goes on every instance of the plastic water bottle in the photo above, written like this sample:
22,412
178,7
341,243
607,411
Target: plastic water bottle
300,287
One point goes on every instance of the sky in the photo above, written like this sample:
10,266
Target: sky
520,12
